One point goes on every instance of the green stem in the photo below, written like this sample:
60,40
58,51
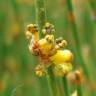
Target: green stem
53,87
40,20
89,24
50,80
76,38
66,87
40,14
79,90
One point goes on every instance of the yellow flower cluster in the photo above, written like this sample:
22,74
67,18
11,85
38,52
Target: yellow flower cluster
49,50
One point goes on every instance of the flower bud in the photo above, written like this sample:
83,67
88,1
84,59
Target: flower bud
62,56
79,76
48,29
32,28
62,69
40,71
28,35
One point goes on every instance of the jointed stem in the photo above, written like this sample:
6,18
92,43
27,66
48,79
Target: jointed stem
79,90
40,20
75,35
51,82
40,13
66,88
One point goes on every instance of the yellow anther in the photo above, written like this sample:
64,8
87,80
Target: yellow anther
50,38
40,71
32,32
48,28
63,43
29,27
62,69
47,24
44,31
45,45
28,35
62,56
68,55
32,28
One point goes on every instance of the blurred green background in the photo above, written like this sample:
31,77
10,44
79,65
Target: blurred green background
75,20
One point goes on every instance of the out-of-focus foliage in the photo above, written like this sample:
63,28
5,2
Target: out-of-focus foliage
75,20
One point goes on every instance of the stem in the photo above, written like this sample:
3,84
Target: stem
50,80
76,38
50,88
79,90
66,87
40,20
89,24
40,14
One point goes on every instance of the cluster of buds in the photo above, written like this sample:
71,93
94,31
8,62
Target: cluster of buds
49,50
